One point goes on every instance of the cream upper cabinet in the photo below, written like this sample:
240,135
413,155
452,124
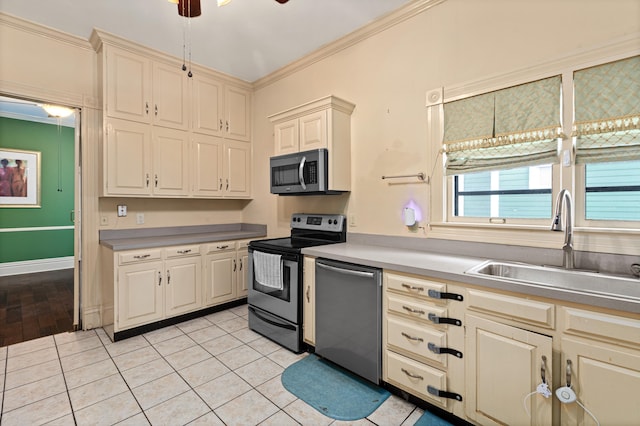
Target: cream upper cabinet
601,362
504,365
221,168
237,102
308,304
140,89
324,123
207,105
141,160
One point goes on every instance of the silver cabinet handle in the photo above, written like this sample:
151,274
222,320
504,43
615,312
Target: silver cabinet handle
227,184
146,108
413,376
222,247
147,180
235,266
156,110
301,173
220,184
308,299
415,339
413,311
346,271
156,180
221,124
227,125
412,287
168,277
141,256
159,278
184,251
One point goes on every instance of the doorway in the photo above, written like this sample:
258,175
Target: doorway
39,233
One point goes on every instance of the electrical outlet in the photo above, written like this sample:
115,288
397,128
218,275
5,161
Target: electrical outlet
140,218
122,210
104,220
352,220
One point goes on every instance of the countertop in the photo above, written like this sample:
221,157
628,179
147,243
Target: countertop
452,267
131,239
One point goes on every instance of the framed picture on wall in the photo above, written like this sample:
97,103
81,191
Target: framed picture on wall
19,178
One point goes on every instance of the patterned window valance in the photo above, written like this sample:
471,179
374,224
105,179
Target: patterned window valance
607,111
512,127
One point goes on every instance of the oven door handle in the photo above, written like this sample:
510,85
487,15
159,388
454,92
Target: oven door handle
346,271
301,173
268,321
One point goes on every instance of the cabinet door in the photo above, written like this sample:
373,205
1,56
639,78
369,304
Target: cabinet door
170,106
207,105
313,131
170,162
243,277
140,294
238,113
207,161
606,380
183,285
308,306
127,156
220,276
128,85
286,137
237,170
503,365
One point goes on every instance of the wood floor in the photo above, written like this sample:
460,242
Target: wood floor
35,305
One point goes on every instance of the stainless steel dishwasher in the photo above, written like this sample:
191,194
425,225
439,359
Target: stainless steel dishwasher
349,316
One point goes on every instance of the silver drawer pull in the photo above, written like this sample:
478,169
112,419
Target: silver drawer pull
222,247
412,287
184,251
141,256
413,376
413,311
417,339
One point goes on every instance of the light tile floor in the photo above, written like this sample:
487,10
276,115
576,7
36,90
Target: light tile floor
211,370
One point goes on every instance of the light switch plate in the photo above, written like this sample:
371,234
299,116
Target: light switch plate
140,218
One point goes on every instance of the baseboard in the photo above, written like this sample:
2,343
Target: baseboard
38,265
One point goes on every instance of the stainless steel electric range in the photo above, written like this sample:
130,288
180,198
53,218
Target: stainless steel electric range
276,272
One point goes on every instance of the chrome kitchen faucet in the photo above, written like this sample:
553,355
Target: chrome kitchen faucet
564,199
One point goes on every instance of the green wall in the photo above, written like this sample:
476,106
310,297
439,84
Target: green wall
56,173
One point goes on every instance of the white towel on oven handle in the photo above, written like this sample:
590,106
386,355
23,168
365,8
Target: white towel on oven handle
268,269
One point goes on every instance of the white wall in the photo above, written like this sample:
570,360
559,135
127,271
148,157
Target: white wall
387,76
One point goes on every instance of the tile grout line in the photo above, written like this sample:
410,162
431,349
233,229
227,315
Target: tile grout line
64,379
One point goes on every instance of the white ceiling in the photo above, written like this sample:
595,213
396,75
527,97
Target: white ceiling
248,39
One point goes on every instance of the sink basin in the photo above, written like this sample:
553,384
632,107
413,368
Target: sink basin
571,279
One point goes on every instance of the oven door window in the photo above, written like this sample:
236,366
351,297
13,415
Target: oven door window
285,293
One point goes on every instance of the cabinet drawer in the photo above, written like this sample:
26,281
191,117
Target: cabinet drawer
414,308
516,308
243,244
139,256
182,251
414,377
219,246
415,338
610,327
413,286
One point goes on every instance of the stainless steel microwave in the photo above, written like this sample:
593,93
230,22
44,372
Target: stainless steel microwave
301,173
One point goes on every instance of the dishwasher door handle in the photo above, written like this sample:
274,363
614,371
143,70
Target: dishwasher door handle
346,271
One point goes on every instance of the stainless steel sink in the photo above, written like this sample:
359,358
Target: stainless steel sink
571,279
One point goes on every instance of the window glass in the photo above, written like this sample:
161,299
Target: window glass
524,193
612,191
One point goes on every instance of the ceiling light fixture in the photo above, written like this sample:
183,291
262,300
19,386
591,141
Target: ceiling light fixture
57,111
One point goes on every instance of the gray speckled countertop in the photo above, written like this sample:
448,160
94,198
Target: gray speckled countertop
131,239
452,267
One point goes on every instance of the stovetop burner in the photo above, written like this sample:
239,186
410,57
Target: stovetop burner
308,230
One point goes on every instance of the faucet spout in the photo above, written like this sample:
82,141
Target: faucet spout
564,200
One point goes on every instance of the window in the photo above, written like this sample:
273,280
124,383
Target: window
612,191
522,193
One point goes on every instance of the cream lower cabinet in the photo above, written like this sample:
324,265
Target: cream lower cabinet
156,283
309,302
601,359
423,338
225,269
503,366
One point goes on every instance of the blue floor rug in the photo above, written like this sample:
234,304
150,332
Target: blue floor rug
332,390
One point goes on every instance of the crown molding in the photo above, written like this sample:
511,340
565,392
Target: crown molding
43,31
387,21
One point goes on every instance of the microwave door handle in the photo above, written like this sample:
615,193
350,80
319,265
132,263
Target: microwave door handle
301,173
